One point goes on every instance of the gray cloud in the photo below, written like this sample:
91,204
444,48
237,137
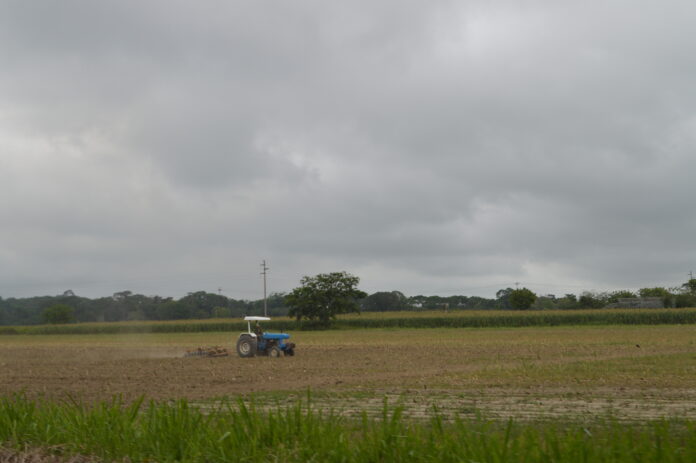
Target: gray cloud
425,146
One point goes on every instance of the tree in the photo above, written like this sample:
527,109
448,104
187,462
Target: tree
685,300
521,299
324,296
222,312
275,303
684,296
174,310
569,301
654,292
663,293
59,314
503,298
690,286
590,300
621,294
544,303
384,301
201,304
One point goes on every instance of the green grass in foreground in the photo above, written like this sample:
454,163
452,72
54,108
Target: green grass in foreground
231,431
425,319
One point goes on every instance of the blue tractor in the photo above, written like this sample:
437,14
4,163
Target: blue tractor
256,342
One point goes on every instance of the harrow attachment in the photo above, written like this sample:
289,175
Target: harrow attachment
216,351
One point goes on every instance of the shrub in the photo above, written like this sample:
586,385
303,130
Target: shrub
59,314
522,299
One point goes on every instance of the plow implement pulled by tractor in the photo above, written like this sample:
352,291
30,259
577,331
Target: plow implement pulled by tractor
216,351
252,343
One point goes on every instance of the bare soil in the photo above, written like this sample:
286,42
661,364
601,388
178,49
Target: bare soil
521,373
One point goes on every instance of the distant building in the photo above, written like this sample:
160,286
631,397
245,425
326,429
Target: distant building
638,303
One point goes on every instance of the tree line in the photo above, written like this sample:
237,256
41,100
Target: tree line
523,298
321,297
126,305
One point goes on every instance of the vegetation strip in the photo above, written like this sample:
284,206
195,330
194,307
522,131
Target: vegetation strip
318,298
234,431
460,319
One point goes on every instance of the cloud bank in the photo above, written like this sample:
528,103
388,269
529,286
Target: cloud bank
430,147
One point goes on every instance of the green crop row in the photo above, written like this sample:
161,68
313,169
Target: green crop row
136,328
599,317
475,320
233,431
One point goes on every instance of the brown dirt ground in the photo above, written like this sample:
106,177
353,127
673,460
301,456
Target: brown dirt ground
520,373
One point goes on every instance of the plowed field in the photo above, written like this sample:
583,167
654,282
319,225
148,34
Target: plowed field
628,371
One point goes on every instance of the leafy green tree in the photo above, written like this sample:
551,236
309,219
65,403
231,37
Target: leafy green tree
690,286
616,295
654,292
589,300
174,310
275,304
569,301
479,303
544,303
324,296
522,299
222,312
684,296
685,300
663,293
201,304
384,301
58,314
503,298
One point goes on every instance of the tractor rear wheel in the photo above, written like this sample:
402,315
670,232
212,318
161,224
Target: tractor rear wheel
246,346
274,352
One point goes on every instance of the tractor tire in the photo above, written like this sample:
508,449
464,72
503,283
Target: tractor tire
246,346
289,352
274,352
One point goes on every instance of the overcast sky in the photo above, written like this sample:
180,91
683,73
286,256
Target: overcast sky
431,147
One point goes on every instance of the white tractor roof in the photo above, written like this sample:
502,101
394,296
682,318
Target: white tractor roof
258,319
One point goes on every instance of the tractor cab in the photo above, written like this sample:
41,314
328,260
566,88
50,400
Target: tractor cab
257,342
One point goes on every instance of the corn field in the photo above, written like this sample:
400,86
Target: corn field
453,319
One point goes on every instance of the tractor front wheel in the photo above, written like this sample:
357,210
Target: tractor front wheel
274,352
246,346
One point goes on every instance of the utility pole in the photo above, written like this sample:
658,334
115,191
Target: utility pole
517,285
265,304
691,275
